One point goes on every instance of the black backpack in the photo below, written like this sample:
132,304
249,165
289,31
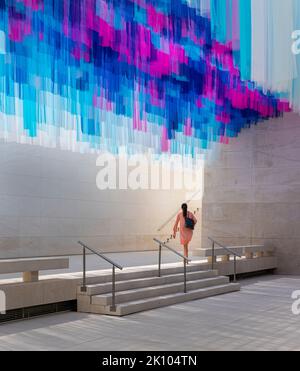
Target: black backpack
189,223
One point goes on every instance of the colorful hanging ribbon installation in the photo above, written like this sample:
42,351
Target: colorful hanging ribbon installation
172,76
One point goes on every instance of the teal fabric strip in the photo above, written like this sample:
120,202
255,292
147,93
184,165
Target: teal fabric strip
245,39
229,20
218,10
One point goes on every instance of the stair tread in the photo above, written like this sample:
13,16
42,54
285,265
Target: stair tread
143,271
158,287
189,274
165,297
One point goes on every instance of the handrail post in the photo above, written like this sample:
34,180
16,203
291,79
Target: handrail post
83,287
213,256
234,276
113,292
235,255
159,261
185,288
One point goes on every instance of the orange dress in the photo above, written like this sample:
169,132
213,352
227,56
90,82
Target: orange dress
186,234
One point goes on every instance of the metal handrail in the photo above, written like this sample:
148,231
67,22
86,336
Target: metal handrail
171,249
100,255
185,260
224,247
114,266
231,252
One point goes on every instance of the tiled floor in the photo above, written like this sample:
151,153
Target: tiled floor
257,318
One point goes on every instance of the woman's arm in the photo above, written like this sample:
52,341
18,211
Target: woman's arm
176,226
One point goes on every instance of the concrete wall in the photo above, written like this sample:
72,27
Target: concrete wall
252,190
49,200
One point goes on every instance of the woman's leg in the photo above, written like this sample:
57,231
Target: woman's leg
186,250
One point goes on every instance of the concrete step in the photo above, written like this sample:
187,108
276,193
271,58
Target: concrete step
143,272
157,291
165,300
125,285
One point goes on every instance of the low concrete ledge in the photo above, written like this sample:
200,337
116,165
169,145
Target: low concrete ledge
258,251
30,294
248,251
32,264
30,267
245,266
219,251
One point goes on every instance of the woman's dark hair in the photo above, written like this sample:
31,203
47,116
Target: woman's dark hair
184,209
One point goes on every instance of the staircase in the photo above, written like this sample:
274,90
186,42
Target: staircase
140,289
